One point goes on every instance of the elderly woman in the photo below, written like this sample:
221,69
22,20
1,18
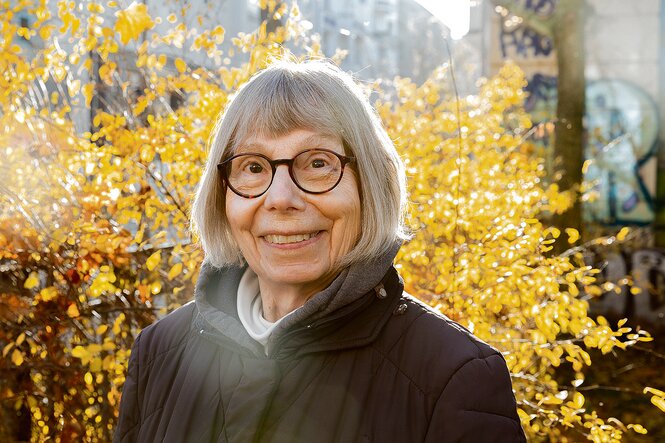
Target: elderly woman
300,330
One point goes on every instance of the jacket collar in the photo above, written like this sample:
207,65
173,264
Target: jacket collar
316,322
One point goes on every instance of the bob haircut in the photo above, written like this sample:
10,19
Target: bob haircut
316,96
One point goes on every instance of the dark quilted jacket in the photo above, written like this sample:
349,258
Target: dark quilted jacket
363,366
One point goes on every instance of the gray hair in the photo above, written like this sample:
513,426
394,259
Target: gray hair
317,96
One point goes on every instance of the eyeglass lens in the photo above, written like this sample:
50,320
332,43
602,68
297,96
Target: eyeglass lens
313,171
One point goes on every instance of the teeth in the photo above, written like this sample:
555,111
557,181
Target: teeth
283,239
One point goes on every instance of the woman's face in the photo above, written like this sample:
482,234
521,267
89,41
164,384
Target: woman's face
290,237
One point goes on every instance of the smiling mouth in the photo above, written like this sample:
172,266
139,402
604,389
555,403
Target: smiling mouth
287,239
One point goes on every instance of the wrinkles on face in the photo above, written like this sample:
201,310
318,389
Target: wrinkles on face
290,238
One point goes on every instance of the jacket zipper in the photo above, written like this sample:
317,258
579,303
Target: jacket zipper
260,431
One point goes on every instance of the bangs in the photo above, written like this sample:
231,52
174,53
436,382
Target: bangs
280,102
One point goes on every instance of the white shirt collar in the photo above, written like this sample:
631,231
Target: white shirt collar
250,309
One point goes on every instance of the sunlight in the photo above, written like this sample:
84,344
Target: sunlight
455,14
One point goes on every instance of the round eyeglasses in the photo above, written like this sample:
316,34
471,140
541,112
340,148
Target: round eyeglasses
314,171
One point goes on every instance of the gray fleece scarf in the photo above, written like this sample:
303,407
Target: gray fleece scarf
217,289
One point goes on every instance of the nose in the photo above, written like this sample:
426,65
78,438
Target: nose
283,193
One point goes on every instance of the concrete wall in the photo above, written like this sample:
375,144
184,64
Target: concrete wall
623,42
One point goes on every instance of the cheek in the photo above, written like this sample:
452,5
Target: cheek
355,223
352,215
231,213
349,218
239,214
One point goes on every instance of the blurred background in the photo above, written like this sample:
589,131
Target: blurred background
594,95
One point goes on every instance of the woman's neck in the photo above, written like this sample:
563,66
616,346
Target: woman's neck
280,299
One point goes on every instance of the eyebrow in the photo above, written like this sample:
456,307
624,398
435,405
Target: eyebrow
312,141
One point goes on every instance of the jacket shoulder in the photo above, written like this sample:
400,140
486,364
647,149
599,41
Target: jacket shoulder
167,332
429,321
423,342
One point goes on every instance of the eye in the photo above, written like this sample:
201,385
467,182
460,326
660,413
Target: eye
255,168
315,161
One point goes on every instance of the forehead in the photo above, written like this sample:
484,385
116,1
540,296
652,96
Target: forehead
289,144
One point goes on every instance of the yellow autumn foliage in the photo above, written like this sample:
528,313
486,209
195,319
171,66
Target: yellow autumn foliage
93,222
132,21
480,255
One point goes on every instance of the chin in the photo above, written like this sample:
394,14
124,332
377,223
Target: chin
296,275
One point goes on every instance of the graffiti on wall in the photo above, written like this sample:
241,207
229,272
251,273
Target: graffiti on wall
647,267
621,124
524,42
541,98
535,54
621,130
541,106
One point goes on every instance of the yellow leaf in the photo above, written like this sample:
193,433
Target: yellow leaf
73,311
32,281
139,236
7,348
87,91
155,287
59,73
621,236
48,294
659,402
637,428
117,322
153,260
180,65
175,271
573,235
572,288
17,358
578,400
106,72
132,22
45,31
654,391
524,417
96,364
79,352
585,166
95,8
140,106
